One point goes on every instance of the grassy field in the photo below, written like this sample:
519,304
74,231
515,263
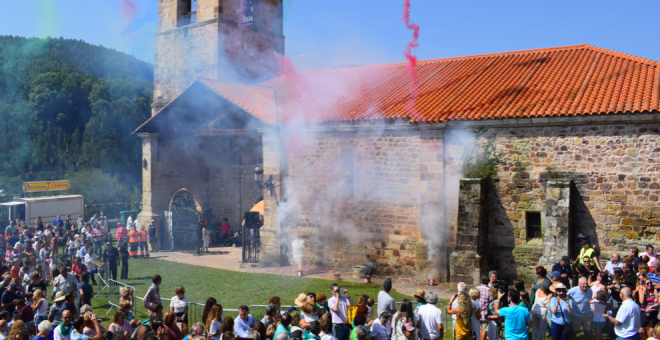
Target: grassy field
231,289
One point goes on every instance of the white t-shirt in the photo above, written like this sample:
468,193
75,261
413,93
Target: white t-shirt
179,306
57,334
629,317
454,305
430,316
341,315
385,303
215,327
88,258
474,320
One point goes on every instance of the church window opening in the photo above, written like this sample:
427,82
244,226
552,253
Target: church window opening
533,225
248,13
189,15
347,172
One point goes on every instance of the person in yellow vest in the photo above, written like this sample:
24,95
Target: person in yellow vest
134,240
144,238
589,252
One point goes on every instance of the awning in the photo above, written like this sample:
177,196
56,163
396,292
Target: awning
12,203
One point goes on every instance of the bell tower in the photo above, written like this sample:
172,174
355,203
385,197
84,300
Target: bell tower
229,40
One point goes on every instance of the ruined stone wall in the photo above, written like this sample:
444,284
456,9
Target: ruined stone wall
614,200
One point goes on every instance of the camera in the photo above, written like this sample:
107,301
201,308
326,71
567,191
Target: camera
503,287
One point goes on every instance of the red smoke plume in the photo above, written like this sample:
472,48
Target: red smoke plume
129,10
412,60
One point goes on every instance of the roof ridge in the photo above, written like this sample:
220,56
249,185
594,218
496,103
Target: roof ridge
485,55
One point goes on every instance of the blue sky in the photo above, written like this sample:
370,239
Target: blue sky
323,34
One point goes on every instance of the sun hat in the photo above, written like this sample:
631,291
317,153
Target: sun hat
300,299
420,293
60,296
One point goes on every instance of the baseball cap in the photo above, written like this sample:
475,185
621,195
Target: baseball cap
555,274
13,286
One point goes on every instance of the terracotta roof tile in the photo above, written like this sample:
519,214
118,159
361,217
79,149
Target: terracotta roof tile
560,81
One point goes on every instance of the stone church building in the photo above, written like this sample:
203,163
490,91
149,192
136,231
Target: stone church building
364,173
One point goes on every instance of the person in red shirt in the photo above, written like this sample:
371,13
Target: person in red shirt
122,234
78,268
226,235
15,270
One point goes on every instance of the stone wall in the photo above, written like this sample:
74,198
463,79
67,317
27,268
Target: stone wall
214,47
614,198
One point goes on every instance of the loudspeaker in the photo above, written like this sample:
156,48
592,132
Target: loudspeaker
252,220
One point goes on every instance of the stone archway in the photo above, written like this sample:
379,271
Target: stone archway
184,199
182,223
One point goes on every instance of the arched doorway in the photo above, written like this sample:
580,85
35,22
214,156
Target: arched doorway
182,223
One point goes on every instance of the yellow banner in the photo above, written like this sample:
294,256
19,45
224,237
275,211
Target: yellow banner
45,186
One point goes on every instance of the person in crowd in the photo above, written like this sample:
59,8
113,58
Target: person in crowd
284,325
119,324
525,301
588,251
79,325
147,329
197,330
561,312
402,317
650,253
654,274
563,267
636,259
614,262
518,321
492,276
227,327
85,291
474,295
43,330
111,257
430,318
55,310
379,328
463,312
580,298
590,271
179,305
226,232
271,315
10,298
92,262
206,239
339,310
122,234
54,244
460,288
153,235
144,239
601,282
385,300
40,307
63,330
598,306
153,293
484,299
37,283
295,321
648,301
214,322
242,324
539,310
134,240
17,330
97,236
627,320
360,320
123,256
630,275
29,255
78,267
541,278
555,277
326,328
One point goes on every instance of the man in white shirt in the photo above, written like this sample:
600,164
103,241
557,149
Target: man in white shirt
129,221
627,321
430,319
385,301
379,329
650,252
92,263
66,322
615,262
339,310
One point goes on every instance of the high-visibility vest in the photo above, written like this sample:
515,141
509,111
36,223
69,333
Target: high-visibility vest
144,236
133,236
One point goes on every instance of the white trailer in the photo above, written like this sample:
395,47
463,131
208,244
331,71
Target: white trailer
48,207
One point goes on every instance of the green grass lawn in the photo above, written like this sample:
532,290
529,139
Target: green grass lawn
231,289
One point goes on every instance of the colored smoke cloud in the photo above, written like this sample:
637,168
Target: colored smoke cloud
129,11
412,61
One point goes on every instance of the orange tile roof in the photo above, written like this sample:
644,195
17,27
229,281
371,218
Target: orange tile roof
560,81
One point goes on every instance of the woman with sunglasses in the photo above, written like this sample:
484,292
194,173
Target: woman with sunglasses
648,300
561,312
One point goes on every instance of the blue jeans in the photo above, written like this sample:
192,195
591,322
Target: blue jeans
341,332
558,332
98,247
634,337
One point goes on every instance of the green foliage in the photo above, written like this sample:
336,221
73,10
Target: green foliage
68,108
100,188
478,161
552,171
